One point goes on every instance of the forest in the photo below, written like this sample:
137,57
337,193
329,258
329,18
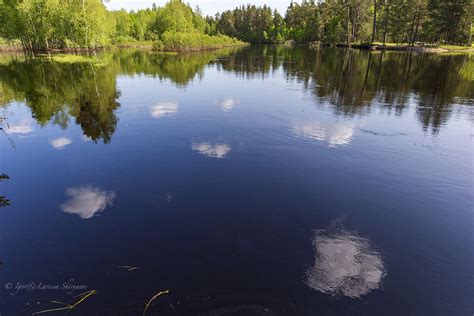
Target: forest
39,25
352,21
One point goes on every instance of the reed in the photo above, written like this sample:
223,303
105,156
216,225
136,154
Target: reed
68,307
153,299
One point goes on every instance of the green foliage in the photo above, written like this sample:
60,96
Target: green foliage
88,24
174,17
74,59
193,41
44,24
182,30
303,22
123,23
142,21
252,24
449,21
352,21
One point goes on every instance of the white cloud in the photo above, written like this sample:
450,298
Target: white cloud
86,201
226,104
23,127
163,109
61,142
215,151
344,264
334,134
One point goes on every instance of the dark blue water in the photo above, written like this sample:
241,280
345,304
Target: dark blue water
262,181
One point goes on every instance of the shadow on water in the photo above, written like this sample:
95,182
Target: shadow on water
350,81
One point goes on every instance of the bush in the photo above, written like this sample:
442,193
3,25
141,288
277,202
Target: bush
193,41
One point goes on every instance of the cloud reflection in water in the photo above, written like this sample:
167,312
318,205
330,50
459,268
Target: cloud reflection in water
226,104
86,201
215,151
344,264
61,142
23,127
162,109
334,134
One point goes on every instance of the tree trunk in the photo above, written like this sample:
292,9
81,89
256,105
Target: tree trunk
348,25
24,45
412,30
354,23
85,23
470,33
386,25
416,30
374,26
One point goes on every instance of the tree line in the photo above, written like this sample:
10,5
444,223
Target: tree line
44,24
352,21
40,25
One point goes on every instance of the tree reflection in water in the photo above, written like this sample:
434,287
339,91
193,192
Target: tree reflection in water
3,200
349,81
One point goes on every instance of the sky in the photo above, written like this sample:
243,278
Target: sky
208,7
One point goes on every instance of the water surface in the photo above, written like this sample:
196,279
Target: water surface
260,181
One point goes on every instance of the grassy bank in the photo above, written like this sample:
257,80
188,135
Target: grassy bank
130,42
10,46
192,42
417,48
170,42
456,48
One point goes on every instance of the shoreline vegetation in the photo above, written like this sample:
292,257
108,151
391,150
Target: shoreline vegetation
419,48
193,42
176,46
48,26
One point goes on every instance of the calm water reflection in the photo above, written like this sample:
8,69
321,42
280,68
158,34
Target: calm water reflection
266,180
86,201
344,264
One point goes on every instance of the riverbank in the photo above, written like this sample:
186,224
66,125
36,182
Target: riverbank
178,45
416,48
134,44
14,46
171,45
183,42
